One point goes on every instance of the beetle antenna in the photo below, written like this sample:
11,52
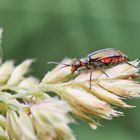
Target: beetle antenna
63,67
59,63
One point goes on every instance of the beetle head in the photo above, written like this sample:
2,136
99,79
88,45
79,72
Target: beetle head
75,65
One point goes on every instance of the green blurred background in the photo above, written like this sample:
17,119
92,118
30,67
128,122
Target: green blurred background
49,30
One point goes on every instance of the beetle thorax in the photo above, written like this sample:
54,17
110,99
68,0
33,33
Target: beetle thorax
79,64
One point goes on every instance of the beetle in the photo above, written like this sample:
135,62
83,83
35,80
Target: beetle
98,60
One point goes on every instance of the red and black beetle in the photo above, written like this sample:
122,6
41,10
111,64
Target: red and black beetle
98,59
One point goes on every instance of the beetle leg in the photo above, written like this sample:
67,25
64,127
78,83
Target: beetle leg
104,72
87,67
90,77
130,64
100,66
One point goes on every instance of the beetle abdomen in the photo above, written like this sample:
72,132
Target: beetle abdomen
113,60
